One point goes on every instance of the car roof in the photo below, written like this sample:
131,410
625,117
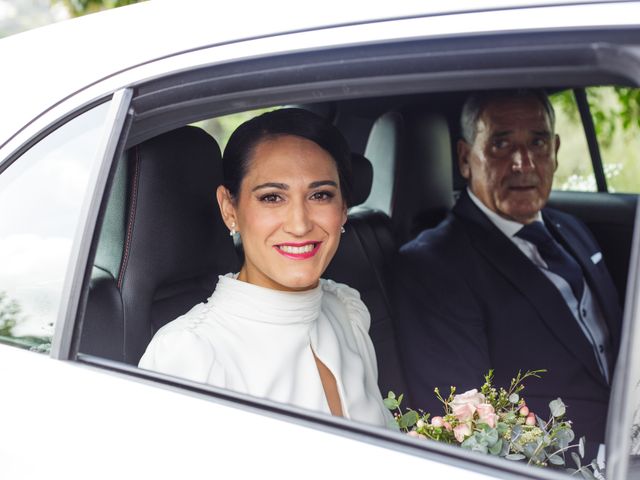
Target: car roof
51,63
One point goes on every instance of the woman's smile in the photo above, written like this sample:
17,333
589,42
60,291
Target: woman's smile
299,250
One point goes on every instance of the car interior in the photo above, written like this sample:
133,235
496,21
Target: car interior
162,243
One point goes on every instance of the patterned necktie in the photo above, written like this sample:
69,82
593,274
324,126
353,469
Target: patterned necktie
557,259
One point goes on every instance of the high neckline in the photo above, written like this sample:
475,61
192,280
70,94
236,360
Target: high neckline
259,304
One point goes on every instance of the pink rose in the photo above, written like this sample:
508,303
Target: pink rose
531,419
472,397
413,433
490,419
464,412
437,422
484,409
461,432
487,414
447,425
524,411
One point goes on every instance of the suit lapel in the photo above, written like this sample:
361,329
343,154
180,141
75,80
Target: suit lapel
525,277
579,250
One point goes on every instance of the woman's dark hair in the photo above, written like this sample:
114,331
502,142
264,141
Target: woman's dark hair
287,121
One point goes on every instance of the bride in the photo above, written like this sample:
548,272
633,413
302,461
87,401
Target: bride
276,329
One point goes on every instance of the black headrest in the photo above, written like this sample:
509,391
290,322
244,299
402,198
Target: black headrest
362,178
175,236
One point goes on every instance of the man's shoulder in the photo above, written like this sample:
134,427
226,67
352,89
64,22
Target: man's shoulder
438,240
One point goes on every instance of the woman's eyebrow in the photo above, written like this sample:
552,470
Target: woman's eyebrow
281,186
284,186
322,183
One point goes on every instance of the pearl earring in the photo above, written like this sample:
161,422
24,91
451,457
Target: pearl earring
342,230
232,232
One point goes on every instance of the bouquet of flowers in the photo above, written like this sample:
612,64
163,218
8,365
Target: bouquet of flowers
497,421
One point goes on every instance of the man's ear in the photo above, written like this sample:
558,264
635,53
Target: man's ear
557,138
463,149
227,208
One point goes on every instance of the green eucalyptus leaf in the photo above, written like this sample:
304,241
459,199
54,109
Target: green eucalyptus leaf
470,442
515,456
581,447
409,419
492,436
496,448
400,398
556,459
390,403
391,394
530,449
564,436
587,474
576,459
557,408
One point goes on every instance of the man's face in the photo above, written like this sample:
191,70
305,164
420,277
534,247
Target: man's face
511,163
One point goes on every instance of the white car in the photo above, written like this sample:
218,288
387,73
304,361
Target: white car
106,229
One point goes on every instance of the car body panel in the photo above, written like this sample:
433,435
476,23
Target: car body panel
114,427
54,71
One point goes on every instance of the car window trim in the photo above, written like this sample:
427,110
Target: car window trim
592,138
618,434
61,345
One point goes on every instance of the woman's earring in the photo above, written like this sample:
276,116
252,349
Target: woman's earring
232,232
342,230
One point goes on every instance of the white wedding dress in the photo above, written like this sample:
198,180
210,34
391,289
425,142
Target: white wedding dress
261,342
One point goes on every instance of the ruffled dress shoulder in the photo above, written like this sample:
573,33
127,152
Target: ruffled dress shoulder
262,342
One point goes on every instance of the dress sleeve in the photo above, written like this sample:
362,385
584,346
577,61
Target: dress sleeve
360,320
181,352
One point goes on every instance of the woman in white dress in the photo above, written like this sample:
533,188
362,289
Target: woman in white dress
276,329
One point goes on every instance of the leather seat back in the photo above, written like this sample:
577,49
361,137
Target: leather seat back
171,249
363,262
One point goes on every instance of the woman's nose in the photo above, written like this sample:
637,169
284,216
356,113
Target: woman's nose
298,221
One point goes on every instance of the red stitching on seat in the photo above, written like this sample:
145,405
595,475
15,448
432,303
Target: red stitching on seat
132,216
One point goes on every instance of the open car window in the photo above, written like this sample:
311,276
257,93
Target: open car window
115,329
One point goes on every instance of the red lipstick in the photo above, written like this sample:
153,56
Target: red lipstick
298,251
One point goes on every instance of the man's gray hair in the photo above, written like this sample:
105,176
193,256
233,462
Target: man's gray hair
476,103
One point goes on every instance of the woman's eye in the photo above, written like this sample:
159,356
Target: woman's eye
270,198
322,195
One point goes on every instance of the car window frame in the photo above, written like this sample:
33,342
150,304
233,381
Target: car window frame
79,277
77,270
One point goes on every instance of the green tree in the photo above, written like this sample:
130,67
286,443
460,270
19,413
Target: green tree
9,313
83,7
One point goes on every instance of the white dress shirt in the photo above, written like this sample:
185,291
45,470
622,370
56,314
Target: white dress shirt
586,312
261,342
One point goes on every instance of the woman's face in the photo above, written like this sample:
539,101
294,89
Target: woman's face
289,213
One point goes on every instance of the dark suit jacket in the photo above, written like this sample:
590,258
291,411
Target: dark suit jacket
468,300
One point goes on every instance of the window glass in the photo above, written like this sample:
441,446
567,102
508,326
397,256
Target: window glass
575,169
41,195
221,128
616,117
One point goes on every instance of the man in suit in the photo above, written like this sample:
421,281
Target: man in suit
504,283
